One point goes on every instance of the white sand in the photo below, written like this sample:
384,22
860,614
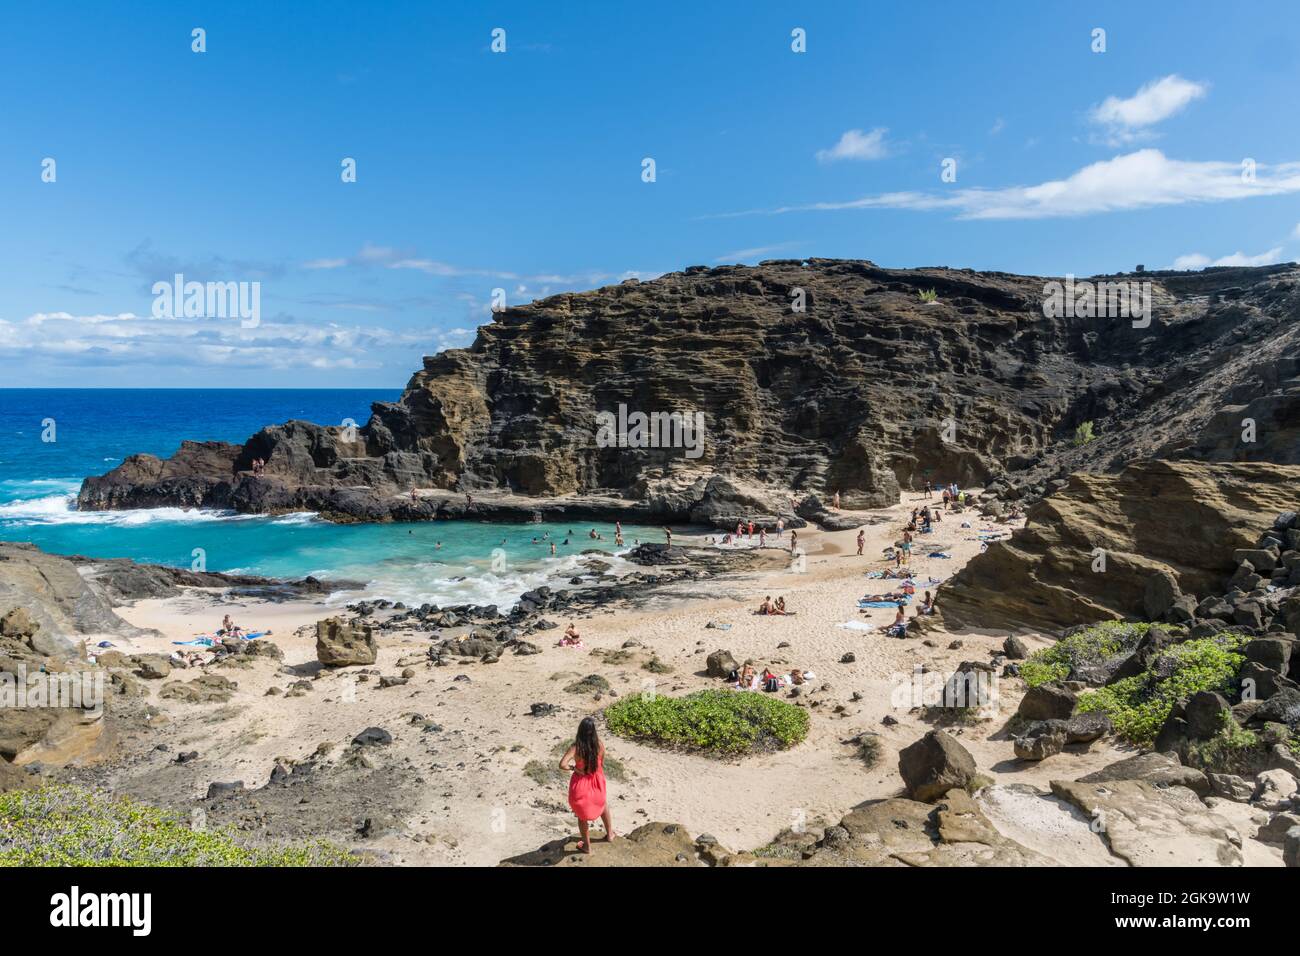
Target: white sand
488,809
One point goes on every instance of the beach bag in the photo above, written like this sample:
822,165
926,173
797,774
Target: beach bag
734,676
771,684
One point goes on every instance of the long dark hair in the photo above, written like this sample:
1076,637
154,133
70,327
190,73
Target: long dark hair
588,745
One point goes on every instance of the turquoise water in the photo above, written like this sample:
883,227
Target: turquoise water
478,562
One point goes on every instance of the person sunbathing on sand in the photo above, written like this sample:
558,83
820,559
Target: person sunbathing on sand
927,606
779,608
766,606
571,637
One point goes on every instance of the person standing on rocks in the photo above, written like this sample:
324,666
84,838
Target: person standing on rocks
587,800
668,536
835,501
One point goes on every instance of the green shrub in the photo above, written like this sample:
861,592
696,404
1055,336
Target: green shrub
59,825
1093,646
1139,705
1084,434
928,295
1234,749
718,722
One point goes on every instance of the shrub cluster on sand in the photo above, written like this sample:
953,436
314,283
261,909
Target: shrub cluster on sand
1139,705
59,825
1090,647
720,722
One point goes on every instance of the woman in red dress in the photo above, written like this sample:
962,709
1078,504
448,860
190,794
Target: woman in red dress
586,758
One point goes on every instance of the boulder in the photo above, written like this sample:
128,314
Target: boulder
1044,739
1206,713
1160,594
1275,790
343,644
1051,701
721,664
1291,847
1015,648
935,764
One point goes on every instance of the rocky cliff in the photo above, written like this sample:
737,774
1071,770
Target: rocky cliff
866,390
1090,551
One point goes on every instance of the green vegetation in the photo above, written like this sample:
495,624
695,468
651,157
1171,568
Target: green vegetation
1093,646
1084,434
1234,749
1139,705
717,722
59,825
928,295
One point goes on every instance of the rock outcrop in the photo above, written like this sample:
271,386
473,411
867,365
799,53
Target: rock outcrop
816,375
1088,552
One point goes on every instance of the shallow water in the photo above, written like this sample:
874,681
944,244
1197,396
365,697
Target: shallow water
445,562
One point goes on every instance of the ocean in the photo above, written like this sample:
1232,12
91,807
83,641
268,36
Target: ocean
53,438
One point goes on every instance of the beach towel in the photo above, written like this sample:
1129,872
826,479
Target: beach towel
940,554
855,625
893,604
197,642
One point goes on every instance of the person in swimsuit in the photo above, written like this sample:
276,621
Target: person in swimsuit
862,539
586,758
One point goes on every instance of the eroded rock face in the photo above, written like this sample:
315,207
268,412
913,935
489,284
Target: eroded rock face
852,394
1179,518
53,597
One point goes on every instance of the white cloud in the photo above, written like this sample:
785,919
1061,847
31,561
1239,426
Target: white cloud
1127,119
856,144
1295,233
1138,180
1196,260
129,339
756,252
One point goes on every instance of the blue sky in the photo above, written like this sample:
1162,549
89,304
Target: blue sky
522,170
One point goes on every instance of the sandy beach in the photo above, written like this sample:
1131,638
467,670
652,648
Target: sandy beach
477,805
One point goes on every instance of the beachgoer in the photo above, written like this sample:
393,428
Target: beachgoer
835,501
552,549
668,536
862,540
762,537
794,539
586,758
766,606
780,605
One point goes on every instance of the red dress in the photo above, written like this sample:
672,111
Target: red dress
587,790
